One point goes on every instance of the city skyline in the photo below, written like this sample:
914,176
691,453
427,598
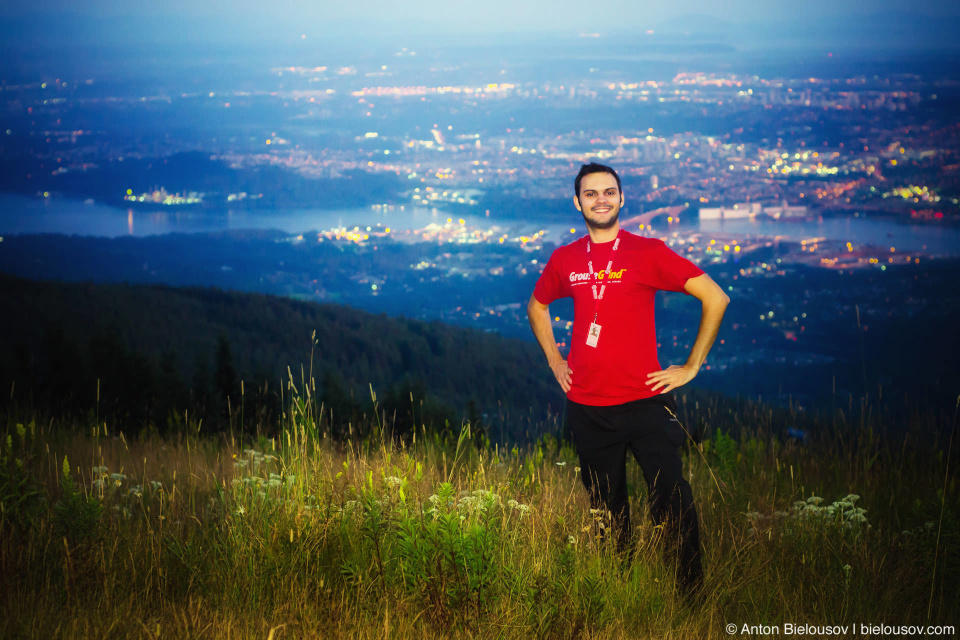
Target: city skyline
809,166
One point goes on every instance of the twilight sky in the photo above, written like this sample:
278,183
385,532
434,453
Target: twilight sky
492,15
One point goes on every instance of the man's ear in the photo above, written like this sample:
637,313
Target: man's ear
576,203
621,199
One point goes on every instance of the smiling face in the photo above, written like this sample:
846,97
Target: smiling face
599,201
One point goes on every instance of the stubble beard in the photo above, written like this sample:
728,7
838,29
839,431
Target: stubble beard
601,225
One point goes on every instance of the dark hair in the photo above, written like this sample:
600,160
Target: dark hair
593,167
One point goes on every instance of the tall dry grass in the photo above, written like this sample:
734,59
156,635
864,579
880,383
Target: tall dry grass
301,536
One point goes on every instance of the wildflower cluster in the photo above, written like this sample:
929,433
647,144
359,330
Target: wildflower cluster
264,488
843,512
477,502
262,482
600,518
113,486
253,459
521,508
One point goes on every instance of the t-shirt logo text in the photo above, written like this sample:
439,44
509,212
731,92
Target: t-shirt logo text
601,275
614,275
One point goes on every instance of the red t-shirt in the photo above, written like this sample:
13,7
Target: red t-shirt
615,371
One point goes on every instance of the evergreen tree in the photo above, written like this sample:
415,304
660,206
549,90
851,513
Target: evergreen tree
225,381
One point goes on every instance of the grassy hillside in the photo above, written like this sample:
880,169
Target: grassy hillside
307,536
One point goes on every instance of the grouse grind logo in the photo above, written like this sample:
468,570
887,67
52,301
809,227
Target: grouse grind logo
584,278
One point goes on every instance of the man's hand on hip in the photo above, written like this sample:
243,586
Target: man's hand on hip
563,373
670,378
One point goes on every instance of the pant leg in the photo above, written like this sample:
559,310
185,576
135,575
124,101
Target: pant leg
603,456
670,496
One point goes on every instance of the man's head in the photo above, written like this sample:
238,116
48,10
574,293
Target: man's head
598,195
593,167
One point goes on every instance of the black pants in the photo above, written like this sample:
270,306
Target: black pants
650,429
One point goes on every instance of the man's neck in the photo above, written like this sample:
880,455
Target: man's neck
599,236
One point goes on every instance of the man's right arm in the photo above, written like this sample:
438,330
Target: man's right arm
539,316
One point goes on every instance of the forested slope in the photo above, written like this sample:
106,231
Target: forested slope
158,350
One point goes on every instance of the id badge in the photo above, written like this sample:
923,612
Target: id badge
594,335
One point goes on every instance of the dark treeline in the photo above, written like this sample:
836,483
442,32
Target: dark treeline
159,357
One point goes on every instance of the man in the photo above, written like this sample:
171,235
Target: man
617,394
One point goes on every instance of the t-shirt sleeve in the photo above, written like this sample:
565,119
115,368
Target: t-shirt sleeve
549,286
671,269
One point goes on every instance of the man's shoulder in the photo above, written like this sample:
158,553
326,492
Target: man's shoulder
632,241
642,241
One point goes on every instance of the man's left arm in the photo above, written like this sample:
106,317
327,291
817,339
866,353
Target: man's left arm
714,302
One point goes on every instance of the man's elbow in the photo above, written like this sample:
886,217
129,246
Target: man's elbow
717,298
534,307
722,300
